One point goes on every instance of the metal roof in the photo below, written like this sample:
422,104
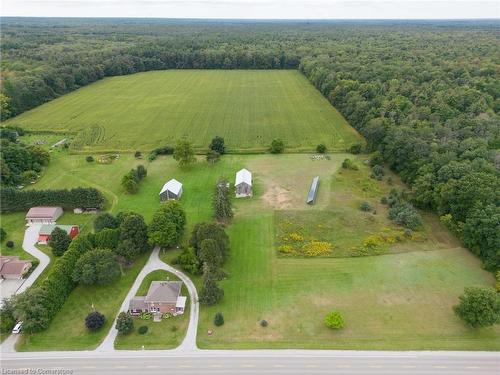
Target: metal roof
44,212
173,186
311,196
245,176
47,229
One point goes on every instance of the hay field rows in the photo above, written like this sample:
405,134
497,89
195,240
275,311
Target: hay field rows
146,110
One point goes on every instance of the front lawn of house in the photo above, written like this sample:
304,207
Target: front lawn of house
67,331
166,334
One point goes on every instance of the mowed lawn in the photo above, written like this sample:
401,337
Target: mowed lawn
146,110
394,301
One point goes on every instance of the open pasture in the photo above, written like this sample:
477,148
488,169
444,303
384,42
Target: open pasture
147,110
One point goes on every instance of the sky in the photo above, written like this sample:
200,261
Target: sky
255,9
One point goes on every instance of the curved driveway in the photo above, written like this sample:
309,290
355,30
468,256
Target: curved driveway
155,263
30,239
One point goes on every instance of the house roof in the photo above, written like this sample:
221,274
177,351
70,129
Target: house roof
245,176
173,186
12,265
7,258
164,291
47,229
137,303
43,212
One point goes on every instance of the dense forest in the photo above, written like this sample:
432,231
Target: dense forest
426,95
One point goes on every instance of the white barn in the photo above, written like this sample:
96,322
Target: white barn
243,183
171,190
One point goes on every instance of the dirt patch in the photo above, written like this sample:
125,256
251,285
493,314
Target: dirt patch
277,197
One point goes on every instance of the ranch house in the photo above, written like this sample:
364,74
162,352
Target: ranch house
43,215
11,267
243,183
171,190
163,297
46,231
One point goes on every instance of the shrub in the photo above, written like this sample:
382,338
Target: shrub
142,330
174,328
124,323
349,164
403,213
137,154
94,321
356,149
218,319
89,159
321,148
277,146
377,172
3,234
263,323
365,206
334,320
479,307
217,145
10,244
383,200
376,159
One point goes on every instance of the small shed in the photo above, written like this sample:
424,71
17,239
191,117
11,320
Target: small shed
243,183
313,191
43,215
171,190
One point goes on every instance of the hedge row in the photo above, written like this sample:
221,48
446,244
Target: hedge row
37,306
13,200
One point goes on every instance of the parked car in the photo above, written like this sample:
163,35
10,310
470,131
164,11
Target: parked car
17,328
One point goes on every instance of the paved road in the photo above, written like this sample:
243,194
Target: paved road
155,263
260,362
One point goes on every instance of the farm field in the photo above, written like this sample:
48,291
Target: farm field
400,300
147,110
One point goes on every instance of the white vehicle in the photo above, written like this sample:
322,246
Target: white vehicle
17,328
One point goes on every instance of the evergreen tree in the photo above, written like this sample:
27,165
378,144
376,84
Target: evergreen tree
210,293
59,241
222,201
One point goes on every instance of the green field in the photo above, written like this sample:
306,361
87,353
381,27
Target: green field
401,300
147,110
